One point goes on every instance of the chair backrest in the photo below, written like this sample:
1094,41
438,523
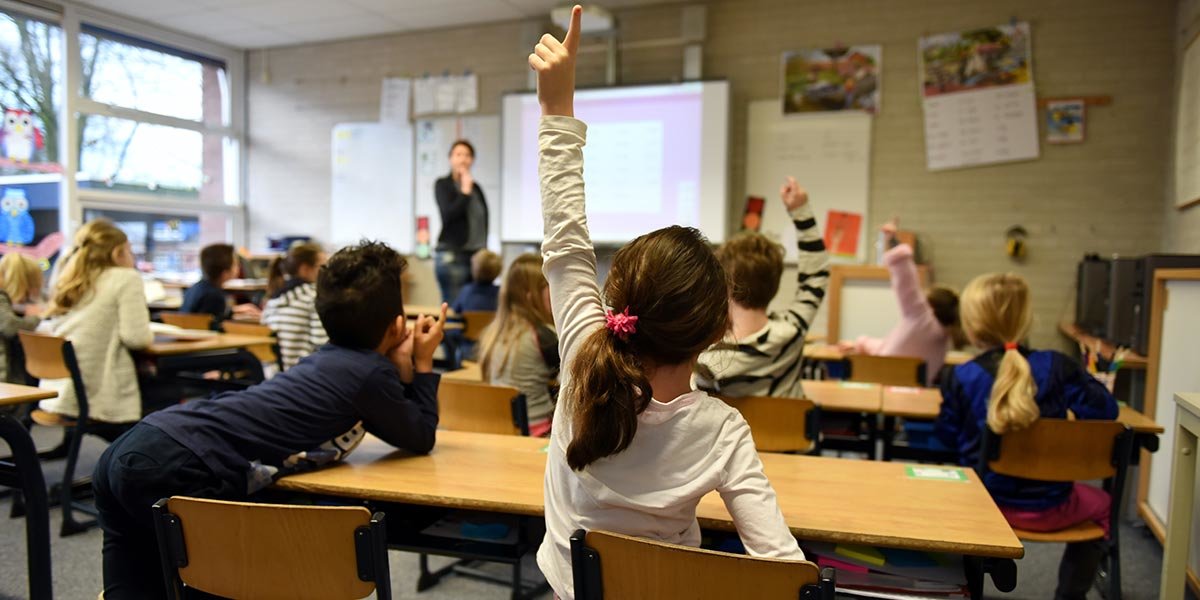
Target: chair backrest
474,322
1059,450
780,424
246,550
187,320
263,352
886,370
44,355
610,565
481,408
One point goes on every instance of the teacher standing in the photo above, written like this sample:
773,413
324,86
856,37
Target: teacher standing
464,221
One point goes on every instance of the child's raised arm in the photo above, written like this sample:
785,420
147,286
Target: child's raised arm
813,262
570,260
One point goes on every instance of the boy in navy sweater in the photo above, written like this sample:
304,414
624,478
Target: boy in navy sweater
218,264
374,376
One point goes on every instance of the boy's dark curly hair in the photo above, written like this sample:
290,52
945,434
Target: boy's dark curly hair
358,294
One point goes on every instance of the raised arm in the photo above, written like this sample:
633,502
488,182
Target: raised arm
905,282
812,264
569,258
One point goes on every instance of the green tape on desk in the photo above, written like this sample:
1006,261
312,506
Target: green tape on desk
936,473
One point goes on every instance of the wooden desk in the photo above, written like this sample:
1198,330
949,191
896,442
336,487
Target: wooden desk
24,472
223,341
426,309
170,303
912,402
831,353
843,396
470,372
245,285
822,499
1132,360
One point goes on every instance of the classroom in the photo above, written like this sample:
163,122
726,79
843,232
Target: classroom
620,299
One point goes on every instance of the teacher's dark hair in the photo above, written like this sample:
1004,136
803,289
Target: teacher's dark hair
464,144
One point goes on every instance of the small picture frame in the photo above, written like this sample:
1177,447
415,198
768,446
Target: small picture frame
1065,121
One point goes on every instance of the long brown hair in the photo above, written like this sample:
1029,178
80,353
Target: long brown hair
671,280
287,265
92,254
519,309
996,313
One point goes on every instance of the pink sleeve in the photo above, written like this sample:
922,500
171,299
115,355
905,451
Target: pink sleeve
905,282
868,345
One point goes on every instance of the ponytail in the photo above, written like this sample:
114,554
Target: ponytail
1012,406
610,389
275,275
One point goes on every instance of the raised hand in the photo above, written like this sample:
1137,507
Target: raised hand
554,62
427,335
793,195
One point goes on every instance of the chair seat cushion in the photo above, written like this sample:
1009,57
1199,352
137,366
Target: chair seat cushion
1076,533
49,419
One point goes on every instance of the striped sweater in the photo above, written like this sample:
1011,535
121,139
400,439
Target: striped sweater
767,362
292,315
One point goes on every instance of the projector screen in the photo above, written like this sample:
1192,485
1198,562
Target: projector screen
656,155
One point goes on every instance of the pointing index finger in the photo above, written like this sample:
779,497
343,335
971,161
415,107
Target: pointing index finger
571,41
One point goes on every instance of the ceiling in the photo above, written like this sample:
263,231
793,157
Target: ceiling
265,23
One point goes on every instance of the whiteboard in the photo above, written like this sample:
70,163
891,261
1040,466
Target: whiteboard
371,179
1187,127
434,137
1176,373
829,154
868,307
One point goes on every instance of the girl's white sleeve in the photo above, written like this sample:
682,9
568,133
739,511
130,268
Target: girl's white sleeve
751,500
133,318
569,259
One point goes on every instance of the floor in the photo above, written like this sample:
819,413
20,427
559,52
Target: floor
76,559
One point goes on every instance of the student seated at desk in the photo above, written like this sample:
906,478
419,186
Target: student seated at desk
520,348
217,266
99,305
634,448
374,376
291,311
928,322
1007,388
763,356
20,295
481,293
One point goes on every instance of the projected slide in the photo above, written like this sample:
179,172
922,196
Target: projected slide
655,156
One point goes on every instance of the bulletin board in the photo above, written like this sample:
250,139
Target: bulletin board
828,153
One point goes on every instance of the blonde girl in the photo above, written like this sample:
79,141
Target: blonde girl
520,348
20,284
1008,387
634,447
98,303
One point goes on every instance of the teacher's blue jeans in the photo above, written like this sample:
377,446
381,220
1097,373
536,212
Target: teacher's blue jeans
453,270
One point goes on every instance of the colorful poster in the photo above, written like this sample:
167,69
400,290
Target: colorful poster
832,79
978,97
1064,121
841,233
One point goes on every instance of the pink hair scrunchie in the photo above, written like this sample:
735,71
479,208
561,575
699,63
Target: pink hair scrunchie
621,324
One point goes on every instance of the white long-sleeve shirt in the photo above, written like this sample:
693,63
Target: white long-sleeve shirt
109,322
683,449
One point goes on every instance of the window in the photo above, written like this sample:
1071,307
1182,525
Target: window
168,244
30,169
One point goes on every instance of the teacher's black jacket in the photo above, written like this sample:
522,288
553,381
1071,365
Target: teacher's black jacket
453,205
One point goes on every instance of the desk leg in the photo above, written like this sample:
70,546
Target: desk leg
1002,570
1183,485
37,513
889,436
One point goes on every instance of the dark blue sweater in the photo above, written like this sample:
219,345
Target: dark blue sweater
319,400
476,296
1061,385
206,297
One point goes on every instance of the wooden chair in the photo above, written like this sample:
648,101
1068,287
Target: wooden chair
886,370
1067,450
267,353
187,320
474,322
51,357
611,565
781,424
247,550
481,408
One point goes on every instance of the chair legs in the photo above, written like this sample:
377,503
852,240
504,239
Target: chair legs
70,524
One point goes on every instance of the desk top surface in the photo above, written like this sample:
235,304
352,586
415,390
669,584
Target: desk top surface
830,352
223,341
822,499
11,394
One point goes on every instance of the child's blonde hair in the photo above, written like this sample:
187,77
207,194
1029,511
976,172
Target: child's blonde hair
20,277
519,309
485,266
95,244
996,312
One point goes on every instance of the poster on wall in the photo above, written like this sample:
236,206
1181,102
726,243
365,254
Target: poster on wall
1065,121
978,97
832,79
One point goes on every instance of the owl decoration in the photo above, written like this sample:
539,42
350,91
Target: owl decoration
20,137
16,224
